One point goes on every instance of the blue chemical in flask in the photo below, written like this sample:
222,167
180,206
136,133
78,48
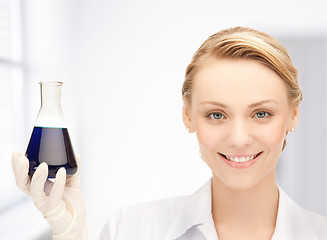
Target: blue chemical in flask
50,141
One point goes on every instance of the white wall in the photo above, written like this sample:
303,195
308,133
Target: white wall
123,63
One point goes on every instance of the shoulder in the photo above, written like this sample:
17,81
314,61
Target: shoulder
295,222
162,219
167,207
317,222
142,219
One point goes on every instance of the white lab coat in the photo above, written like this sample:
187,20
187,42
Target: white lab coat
189,217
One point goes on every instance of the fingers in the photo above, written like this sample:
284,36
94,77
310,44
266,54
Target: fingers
79,163
15,155
57,191
42,201
37,185
73,180
20,166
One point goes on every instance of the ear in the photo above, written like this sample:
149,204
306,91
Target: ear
187,117
295,118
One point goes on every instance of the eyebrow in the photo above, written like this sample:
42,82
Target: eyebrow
250,106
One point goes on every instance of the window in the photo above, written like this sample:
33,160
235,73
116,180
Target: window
11,96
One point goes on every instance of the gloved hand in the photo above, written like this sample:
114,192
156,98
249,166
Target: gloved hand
60,202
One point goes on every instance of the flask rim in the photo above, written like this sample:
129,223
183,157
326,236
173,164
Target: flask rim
51,83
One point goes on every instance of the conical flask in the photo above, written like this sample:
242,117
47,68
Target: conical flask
50,141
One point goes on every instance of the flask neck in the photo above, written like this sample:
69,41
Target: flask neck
50,94
50,114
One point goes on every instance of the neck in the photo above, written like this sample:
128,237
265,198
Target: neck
245,210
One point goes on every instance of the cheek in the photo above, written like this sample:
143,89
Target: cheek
274,134
209,137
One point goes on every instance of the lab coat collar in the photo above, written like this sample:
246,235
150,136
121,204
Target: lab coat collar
196,210
291,221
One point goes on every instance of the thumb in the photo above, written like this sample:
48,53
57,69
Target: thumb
20,167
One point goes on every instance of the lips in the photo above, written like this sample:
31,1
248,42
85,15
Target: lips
240,158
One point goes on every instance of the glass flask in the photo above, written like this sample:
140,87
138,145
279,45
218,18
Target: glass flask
50,141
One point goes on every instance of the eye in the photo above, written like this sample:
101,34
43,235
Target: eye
216,115
262,114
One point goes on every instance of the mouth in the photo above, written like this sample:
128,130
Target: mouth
241,158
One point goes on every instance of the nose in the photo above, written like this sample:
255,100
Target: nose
239,134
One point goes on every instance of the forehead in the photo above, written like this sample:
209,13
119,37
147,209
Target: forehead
237,81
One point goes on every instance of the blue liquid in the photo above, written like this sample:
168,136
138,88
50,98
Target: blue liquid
53,146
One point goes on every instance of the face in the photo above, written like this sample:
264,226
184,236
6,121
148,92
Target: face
240,112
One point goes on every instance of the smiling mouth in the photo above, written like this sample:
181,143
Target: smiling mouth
241,158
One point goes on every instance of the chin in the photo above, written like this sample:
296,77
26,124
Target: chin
239,183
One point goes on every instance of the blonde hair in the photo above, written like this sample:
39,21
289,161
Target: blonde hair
245,43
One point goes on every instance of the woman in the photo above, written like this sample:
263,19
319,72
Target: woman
241,98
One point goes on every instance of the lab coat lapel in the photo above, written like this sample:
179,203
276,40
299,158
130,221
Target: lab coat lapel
196,210
291,221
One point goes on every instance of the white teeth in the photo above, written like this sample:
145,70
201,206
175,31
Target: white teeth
240,159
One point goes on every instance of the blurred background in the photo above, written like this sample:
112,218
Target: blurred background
122,64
